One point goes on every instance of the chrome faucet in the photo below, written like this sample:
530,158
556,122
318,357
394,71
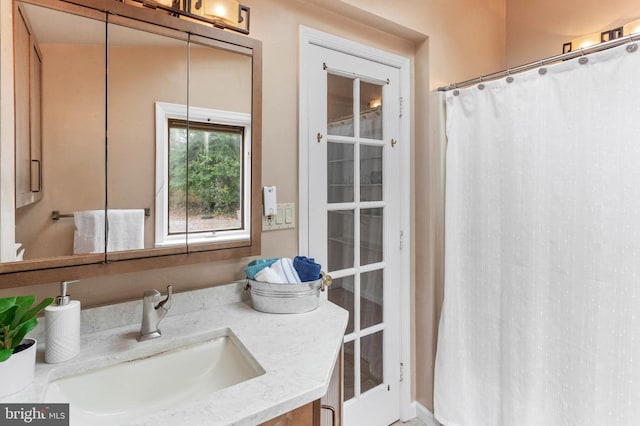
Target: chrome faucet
152,314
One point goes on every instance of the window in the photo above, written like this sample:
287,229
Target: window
203,175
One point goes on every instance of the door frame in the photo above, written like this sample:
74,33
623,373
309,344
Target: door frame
309,37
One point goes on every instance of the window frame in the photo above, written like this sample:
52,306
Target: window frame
164,112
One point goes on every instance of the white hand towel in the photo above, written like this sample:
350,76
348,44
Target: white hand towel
285,268
268,275
88,236
126,229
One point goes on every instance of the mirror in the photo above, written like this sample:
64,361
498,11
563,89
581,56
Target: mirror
72,120
144,68
149,127
219,145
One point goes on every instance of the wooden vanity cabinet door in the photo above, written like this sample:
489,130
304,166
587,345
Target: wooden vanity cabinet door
28,116
335,395
35,113
22,88
306,415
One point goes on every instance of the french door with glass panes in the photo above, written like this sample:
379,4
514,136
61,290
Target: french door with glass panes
354,220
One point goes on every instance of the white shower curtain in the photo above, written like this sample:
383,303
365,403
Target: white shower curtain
541,316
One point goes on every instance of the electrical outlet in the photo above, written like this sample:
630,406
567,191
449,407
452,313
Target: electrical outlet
285,218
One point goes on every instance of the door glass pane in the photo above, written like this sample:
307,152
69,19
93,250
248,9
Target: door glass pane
341,293
349,370
371,374
339,105
341,237
371,298
339,172
371,235
370,173
370,111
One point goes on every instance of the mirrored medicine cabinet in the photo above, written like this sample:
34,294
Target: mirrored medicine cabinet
137,142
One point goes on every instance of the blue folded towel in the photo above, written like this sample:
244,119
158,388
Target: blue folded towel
258,265
307,268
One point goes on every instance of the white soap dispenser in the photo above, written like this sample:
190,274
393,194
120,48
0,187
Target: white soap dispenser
62,327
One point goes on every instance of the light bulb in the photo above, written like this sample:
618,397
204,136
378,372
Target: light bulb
225,10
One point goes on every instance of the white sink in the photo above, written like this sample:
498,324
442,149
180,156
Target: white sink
125,391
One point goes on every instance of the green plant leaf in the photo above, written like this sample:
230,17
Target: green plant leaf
23,303
34,311
26,301
5,354
6,303
6,317
23,330
17,318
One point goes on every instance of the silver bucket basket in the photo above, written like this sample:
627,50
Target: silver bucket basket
287,298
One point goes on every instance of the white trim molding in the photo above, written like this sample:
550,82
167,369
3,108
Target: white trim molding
165,111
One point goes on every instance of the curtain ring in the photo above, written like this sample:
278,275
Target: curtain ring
509,78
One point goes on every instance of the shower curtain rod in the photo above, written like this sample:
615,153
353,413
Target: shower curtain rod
532,65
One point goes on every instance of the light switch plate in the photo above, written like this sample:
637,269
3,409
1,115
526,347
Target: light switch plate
285,218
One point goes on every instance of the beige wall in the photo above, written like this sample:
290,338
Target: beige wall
447,41
537,29
466,37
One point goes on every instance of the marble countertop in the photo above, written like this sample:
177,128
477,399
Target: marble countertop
297,352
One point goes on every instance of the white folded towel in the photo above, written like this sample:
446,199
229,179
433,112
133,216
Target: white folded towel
89,233
284,267
125,230
268,275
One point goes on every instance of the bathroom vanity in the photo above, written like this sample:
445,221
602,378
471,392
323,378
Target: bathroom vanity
289,364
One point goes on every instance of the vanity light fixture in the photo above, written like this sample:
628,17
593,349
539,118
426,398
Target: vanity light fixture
601,37
224,14
611,34
581,42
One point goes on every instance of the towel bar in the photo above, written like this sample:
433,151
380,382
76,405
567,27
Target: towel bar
56,215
